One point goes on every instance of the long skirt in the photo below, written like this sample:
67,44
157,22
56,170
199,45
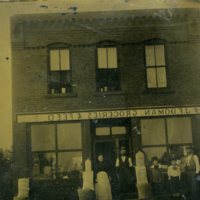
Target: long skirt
102,187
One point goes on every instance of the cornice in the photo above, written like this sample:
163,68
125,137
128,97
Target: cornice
141,17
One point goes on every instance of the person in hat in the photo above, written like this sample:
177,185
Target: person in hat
123,165
192,170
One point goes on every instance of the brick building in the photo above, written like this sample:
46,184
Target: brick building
89,83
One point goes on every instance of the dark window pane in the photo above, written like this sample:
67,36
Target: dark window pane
60,82
101,79
108,80
44,165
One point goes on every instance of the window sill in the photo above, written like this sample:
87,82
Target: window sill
61,95
111,93
159,91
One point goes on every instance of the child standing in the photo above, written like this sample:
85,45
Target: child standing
156,176
174,176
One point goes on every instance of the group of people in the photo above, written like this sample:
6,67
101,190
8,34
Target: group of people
179,174
182,175
103,177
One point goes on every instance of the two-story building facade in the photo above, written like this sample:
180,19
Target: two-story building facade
90,83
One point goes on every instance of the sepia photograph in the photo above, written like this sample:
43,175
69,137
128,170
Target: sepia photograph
100,100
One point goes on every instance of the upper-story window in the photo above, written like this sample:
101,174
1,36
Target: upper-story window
155,66
108,76
59,71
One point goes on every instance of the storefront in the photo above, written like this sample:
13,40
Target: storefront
59,143
78,93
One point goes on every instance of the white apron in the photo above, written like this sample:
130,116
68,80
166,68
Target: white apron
102,187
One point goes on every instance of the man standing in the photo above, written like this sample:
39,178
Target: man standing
124,165
192,170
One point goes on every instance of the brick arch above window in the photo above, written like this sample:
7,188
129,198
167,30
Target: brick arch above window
153,41
59,45
105,43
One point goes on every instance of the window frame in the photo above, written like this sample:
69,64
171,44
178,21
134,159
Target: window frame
156,42
110,123
168,145
108,44
59,46
56,151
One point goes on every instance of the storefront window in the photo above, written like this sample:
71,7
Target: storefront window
179,130
69,136
154,151
56,150
153,131
160,135
43,137
69,161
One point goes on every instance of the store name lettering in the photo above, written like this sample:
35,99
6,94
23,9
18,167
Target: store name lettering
168,111
92,115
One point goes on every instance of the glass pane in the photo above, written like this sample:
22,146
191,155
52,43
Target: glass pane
153,131
44,165
161,77
54,60
102,58
65,60
154,151
151,78
69,161
160,55
150,56
113,79
112,57
69,136
117,130
101,79
179,130
43,137
102,131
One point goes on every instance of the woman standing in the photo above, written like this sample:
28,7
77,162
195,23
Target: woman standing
102,186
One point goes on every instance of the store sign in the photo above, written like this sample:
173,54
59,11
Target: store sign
92,115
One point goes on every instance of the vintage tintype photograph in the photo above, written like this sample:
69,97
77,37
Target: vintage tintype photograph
100,100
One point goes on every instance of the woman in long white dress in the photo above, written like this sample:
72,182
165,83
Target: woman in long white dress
102,186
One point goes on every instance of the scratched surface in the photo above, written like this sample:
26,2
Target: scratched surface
8,9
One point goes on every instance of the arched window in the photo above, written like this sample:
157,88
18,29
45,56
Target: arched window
107,72
59,73
155,64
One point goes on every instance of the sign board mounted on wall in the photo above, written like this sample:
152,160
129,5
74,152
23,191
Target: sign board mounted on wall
106,114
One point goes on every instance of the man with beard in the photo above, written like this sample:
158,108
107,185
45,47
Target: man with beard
124,166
